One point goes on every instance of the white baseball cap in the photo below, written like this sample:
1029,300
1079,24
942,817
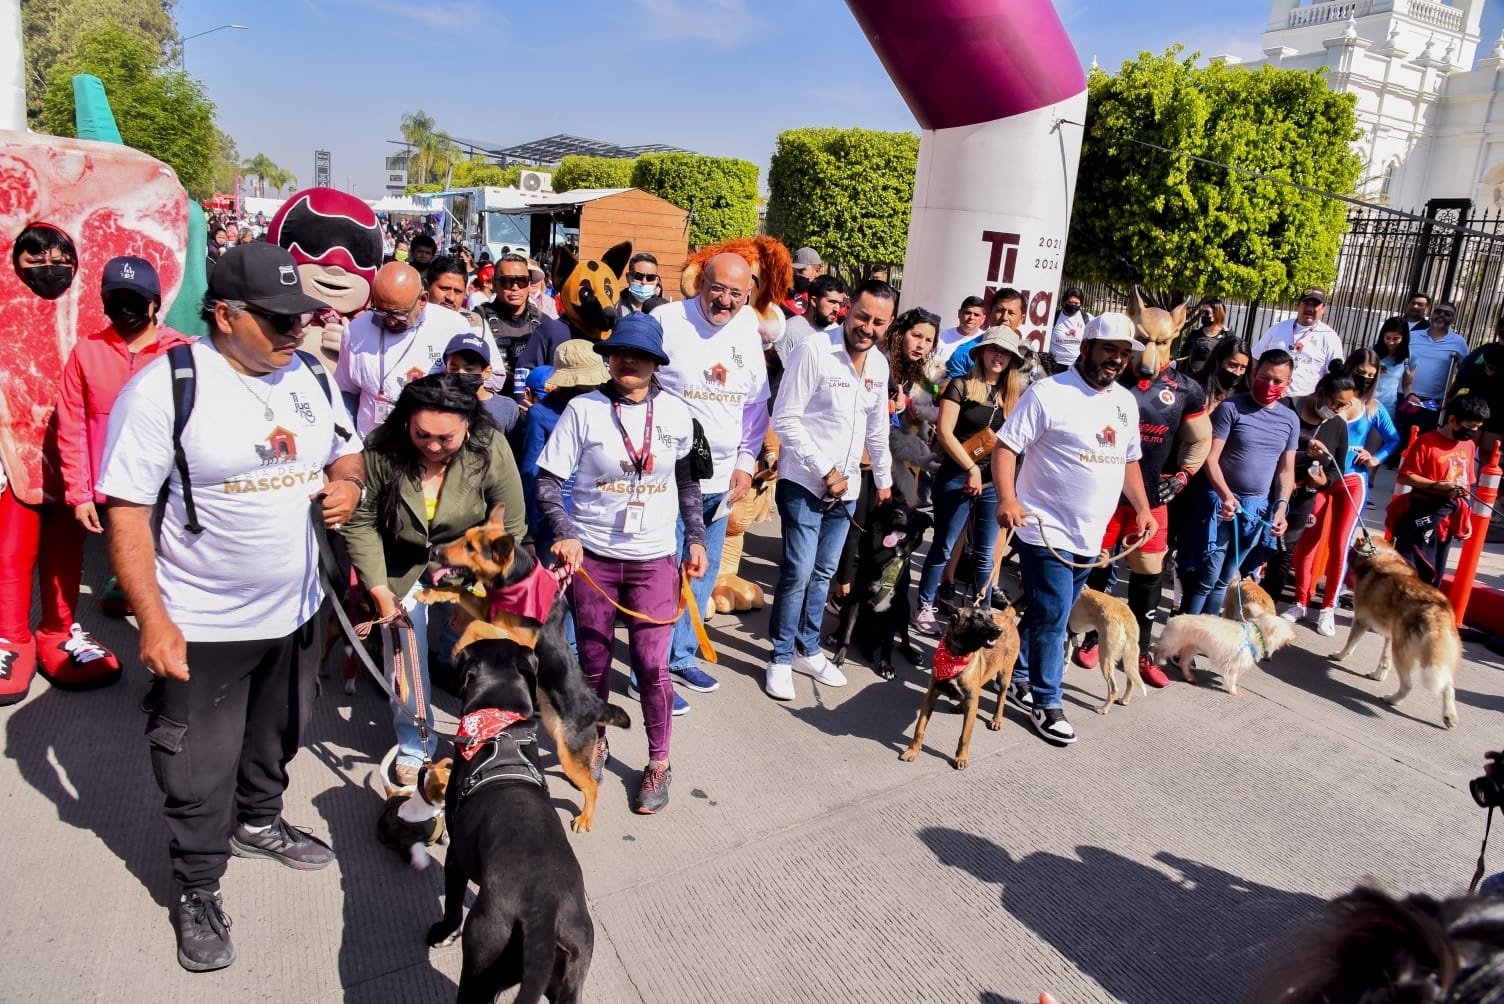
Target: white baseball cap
1112,327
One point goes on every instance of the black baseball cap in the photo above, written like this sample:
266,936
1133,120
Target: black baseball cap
264,276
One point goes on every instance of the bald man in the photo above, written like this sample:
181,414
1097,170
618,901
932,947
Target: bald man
717,366
398,339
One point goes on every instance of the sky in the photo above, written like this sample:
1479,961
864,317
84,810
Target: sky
720,77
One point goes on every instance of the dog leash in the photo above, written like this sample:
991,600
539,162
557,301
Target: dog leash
1102,561
686,602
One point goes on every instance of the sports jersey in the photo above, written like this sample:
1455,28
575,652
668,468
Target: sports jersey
1163,404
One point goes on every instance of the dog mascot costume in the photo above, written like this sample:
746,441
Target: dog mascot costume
336,241
1172,420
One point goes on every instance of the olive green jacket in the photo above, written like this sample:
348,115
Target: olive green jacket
473,486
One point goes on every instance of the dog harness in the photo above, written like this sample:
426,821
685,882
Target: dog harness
490,730
532,596
1249,630
887,583
947,663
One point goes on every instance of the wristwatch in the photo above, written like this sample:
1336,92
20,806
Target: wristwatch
358,484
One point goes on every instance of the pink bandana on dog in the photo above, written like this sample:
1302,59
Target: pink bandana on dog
531,597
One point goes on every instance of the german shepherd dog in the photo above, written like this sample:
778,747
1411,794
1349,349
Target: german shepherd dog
1415,619
473,569
988,642
530,924
876,611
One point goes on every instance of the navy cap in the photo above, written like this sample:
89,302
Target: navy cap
637,331
132,273
477,344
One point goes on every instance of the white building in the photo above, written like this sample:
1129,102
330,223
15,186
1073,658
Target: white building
1432,121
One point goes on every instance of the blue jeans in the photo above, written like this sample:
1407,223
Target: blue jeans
955,511
684,648
812,540
1205,562
1052,589
410,750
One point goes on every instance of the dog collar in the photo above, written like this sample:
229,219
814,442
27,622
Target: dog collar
947,663
1263,641
479,727
532,596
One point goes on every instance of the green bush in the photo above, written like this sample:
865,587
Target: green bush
593,172
720,193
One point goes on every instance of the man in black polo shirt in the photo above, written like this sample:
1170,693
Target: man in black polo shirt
511,317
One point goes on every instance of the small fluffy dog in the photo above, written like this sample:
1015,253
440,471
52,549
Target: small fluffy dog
411,823
1256,601
1232,647
1117,641
1415,619
979,646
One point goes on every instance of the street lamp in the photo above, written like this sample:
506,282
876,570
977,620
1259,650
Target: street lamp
183,48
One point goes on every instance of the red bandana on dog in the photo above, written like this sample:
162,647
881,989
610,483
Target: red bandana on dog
948,663
479,727
532,596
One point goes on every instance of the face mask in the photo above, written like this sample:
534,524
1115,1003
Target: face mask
400,256
1226,379
48,281
1362,384
1266,393
1463,435
129,315
1071,309
640,290
1326,413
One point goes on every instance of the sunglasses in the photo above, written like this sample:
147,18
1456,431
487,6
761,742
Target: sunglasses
642,277
512,281
391,315
282,323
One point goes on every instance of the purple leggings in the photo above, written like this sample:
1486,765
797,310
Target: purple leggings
648,587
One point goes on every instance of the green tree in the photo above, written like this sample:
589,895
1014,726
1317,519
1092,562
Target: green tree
846,193
593,172
719,192
1169,222
478,172
163,113
431,152
52,29
268,175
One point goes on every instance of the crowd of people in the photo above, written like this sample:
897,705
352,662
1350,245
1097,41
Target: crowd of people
461,397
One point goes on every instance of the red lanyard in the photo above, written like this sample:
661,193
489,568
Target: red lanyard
642,459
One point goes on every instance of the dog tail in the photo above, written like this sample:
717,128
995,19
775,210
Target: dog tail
538,946
612,715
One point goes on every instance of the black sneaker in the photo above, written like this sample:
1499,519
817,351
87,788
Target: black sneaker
1021,697
203,932
289,845
653,795
1051,723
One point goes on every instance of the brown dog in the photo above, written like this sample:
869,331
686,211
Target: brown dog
481,572
1117,641
988,642
1255,600
1415,619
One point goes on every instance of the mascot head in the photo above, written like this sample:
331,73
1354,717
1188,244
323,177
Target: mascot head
336,241
589,289
1157,329
772,278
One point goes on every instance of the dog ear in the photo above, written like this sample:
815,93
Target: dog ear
503,549
498,515
617,256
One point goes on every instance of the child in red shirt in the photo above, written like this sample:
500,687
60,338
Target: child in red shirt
1438,469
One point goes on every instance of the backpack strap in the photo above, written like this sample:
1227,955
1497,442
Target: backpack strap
184,378
317,369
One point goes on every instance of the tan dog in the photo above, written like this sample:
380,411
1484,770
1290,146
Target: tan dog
1256,601
1415,619
1117,641
1232,647
988,642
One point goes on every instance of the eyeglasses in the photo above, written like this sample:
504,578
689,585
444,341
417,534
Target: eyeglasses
734,295
642,277
381,314
511,281
1443,313
282,323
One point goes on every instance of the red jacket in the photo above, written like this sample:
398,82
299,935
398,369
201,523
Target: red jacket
97,368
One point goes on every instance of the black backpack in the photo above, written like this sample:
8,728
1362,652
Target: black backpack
184,378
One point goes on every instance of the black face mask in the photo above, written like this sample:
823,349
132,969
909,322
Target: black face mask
1071,309
130,315
1226,379
1463,435
48,281
1362,384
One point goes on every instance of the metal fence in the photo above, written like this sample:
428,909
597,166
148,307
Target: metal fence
1448,251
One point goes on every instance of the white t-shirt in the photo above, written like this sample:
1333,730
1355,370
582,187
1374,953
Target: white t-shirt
1065,336
1313,349
377,365
587,443
475,298
253,571
1076,440
796,330
947,340
718,372
826,414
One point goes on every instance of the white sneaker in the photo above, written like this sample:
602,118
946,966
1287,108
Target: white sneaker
780,681
926,620
1326,621
820,668
1294,613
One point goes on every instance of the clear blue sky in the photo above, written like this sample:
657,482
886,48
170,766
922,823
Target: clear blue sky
721,77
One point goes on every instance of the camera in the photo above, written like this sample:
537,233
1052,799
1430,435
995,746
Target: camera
1488,790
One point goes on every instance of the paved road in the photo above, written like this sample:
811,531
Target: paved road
1156,860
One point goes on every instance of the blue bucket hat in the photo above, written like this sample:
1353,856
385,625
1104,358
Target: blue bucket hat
639,332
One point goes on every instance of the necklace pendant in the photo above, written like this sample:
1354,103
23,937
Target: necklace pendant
271,416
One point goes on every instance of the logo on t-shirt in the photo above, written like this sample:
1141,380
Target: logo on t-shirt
717,374
281,448
1108,436
736,357
303,407
413,374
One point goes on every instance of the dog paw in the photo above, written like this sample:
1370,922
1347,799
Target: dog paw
1105,708
885,670
442,934
581,824
1449,721
994,724
908,755
1392,700
961,761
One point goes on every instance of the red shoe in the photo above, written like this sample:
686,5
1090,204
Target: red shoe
18,664
1152,674
75,661
1087,655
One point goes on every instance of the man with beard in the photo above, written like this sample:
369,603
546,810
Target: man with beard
823,300
1080,432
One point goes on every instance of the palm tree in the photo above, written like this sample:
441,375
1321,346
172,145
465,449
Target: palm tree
430,151
267,174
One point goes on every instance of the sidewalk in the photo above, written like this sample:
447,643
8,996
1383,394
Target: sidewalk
799,860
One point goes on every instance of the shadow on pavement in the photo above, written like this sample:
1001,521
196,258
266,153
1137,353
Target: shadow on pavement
1200,935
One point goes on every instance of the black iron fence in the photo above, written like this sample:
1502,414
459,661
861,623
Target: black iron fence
1449,251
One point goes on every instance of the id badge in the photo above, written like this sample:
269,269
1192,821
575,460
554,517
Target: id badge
383,408
636,512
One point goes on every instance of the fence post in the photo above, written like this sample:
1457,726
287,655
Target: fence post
1253,309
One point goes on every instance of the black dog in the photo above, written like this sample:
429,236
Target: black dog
876,611
529,924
